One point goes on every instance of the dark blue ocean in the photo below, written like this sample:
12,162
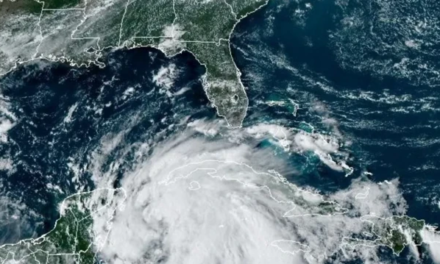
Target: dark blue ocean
358,66
393,119
43,145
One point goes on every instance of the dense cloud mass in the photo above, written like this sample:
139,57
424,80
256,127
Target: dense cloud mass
204,196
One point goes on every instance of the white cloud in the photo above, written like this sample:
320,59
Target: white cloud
323,146
432,239
165,76
171,42
200,199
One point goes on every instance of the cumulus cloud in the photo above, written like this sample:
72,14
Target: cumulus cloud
7,118
323,146
204,198
171,41
432,239
165,76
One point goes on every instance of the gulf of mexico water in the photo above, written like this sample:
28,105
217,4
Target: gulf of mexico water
62,117
349,69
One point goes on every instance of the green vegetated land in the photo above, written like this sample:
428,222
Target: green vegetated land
394,232
20,7
391,232
71,28
62,4
34,6
71,240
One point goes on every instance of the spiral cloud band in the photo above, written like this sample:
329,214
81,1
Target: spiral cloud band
204,198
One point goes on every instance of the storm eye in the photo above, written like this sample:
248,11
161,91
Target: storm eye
234,98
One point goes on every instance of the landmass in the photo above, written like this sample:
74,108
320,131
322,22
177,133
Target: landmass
80,32
86,220
74,239
399,231
395,232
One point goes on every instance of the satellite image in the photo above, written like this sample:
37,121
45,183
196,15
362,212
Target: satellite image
219,131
